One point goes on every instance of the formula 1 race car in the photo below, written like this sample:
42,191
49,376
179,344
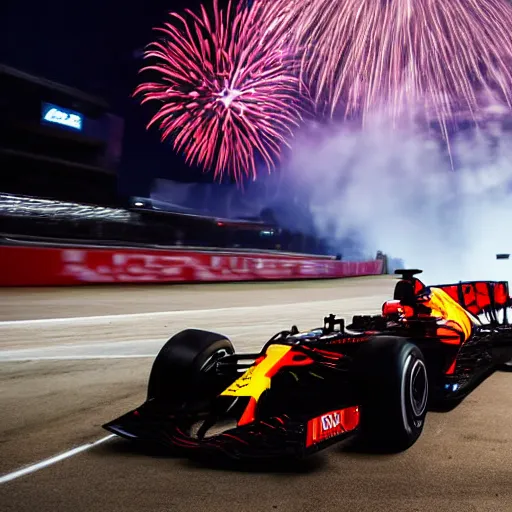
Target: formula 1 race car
304,391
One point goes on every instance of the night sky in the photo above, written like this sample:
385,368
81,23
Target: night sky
93,46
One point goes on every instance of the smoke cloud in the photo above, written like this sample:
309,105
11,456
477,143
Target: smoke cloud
398,191
387,188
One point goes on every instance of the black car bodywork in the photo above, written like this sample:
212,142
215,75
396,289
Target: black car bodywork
306,390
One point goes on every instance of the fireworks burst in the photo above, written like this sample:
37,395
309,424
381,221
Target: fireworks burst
366,55
228,91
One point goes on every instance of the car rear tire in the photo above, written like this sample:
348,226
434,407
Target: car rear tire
182,374
395,393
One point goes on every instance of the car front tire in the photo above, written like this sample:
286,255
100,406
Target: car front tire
395,392
182,374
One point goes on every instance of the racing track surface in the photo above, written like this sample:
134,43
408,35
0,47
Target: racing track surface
61,379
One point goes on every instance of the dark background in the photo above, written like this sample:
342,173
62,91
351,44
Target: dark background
95,46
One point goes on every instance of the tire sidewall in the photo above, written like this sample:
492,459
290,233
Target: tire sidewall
413,406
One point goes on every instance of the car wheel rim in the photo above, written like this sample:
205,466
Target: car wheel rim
212,359
418,388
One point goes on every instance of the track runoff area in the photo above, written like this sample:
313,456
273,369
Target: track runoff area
74,358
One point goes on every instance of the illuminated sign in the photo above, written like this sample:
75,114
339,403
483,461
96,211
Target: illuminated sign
63,116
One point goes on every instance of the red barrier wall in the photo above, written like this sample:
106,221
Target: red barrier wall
50,266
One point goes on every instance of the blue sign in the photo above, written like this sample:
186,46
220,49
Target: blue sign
63,116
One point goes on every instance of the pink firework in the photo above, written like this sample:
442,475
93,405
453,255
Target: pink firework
228,91
365,55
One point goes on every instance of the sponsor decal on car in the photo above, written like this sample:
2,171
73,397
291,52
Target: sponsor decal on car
330,421
331,424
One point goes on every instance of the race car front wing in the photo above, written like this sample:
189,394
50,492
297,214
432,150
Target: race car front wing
278,436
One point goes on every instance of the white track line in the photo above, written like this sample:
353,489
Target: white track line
122,316
21,359
165,314
52,460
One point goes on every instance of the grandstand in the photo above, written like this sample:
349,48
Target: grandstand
57,142
30,218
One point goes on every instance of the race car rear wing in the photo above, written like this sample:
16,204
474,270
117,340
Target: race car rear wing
478,297
481,297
